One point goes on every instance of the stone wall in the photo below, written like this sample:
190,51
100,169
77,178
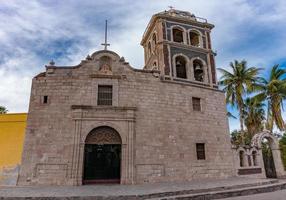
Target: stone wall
154,118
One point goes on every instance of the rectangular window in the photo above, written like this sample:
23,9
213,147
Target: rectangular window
104,95
201,155
196,104
45,99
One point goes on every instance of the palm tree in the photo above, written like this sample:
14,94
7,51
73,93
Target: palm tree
274,91
3,110
254,115
237,83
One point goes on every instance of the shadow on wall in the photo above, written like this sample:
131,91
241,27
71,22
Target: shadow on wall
9,175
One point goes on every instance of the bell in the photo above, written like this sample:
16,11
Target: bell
198,68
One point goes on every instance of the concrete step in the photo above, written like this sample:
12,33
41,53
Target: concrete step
228,192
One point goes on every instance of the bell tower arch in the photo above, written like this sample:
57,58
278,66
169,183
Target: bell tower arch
180,32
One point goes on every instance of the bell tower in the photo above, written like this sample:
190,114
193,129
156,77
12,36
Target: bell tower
179,45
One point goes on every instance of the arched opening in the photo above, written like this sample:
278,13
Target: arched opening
194,39
198,70
254,158
102,156
180,63
268,160
178,35
241,159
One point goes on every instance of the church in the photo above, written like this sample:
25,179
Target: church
103,121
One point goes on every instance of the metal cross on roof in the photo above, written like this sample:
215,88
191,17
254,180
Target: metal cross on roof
171,7
105,44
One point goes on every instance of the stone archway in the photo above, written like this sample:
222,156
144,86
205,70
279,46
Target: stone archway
102,156
257,141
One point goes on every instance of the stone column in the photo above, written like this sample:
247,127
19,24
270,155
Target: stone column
280,172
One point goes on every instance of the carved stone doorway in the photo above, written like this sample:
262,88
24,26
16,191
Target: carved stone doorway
102,156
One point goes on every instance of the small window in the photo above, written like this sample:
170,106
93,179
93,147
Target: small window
196,104
201,155
45,99
104,96
178,35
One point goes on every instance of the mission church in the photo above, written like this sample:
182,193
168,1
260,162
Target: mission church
103,121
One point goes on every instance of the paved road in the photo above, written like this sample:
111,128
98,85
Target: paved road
278,195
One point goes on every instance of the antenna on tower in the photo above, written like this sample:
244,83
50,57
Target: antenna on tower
105,44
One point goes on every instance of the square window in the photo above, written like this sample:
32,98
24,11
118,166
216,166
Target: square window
201,155
104,95
45,99
196,104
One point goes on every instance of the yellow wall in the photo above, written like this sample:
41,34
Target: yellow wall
12,132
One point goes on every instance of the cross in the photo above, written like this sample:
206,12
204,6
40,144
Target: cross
171,7
105,44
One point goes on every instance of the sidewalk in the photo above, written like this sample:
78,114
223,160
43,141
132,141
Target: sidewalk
127,190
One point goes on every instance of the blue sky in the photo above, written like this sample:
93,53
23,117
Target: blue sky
34,32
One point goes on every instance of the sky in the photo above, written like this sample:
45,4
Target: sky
34,32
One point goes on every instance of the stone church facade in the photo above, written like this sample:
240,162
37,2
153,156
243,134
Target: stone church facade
103,121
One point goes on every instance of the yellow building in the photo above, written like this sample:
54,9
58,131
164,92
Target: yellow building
12,132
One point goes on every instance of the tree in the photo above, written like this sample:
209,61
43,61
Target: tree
240,138
237,83
254,115
3,110
273,91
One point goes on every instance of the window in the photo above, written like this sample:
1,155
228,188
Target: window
254,157
249,160
201,155
181,67
198,70
196,104
241,158
45,99
178,35
194,39
104,96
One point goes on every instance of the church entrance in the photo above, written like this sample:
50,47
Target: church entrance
102,156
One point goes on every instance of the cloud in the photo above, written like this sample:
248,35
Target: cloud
35,32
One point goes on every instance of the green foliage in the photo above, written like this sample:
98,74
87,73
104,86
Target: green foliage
3,110
254,115
242,81
273,90
237,83
240,138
